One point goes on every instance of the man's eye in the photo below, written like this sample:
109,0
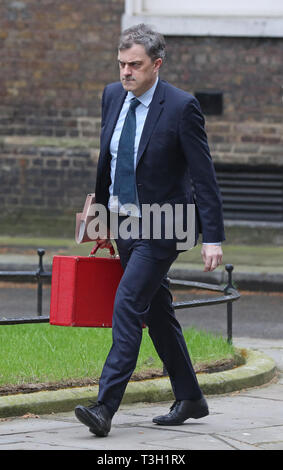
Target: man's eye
122,65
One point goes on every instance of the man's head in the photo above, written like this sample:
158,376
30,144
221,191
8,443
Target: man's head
140,55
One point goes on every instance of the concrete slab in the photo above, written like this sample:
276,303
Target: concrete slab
247,420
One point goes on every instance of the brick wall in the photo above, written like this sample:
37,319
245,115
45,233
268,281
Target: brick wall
46,179
247,70
55,59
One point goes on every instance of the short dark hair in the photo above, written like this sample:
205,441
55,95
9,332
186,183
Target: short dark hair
153,42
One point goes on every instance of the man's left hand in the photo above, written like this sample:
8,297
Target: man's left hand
212,256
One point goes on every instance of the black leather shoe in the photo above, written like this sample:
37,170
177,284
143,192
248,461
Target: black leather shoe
182,410
96,417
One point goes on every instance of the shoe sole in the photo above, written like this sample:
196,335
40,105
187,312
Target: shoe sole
199,414
90,422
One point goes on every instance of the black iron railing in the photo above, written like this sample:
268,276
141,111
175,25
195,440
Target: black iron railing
230,293
38,276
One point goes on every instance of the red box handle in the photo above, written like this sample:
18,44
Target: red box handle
95,248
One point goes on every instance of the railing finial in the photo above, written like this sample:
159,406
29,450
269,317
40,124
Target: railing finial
41,253
229,268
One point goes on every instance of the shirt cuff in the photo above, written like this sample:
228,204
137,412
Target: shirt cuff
212,243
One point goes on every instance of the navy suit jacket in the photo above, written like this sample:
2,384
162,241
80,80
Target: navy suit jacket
174,164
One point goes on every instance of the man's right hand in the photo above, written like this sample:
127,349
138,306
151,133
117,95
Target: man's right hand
103,243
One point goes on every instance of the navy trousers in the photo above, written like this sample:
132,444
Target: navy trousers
143,296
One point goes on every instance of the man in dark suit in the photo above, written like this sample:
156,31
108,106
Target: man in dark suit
153,151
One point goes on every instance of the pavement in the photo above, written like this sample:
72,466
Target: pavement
245,403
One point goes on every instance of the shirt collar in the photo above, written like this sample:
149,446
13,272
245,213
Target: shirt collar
146,97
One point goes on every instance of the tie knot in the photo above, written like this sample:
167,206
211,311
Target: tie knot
134,103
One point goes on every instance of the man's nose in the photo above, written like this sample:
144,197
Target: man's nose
127,70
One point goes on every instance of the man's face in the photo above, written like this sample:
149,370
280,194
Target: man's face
137,71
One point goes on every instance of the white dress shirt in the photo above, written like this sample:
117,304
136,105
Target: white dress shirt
141,113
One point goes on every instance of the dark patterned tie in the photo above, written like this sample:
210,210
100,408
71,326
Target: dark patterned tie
124,183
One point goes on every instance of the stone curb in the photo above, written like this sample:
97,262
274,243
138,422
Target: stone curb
258,370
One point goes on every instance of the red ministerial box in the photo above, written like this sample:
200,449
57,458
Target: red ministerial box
83,290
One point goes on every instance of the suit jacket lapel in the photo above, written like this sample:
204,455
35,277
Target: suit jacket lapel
115,108
155,109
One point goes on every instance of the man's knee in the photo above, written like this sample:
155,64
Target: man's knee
130,300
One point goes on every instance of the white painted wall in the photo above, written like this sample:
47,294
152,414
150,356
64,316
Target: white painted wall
259,18
210,7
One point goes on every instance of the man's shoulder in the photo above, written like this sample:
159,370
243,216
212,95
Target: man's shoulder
113,88
181,96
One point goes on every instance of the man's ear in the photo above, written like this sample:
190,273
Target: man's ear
158,63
